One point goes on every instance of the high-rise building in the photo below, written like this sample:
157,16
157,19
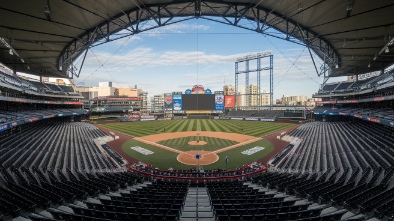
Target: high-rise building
158,103
265,98
252,95
144,95
294,100
229,89
130,92
92,92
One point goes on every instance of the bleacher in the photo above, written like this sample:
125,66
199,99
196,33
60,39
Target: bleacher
58,168
29,86
67,89
340,163
343,86
329,87
268,114
378,113
40,86
239,201
386,79
10,116
53,88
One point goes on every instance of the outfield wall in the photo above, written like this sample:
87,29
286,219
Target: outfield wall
248,119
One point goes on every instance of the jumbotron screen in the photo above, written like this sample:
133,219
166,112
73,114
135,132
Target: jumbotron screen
198,102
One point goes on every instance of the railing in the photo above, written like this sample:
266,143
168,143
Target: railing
197,175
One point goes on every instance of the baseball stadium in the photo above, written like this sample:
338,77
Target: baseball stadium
197,153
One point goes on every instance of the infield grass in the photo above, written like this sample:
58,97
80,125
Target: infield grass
165,159
212,143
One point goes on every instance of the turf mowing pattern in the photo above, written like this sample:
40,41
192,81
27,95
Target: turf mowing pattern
252,128
164,159
212,143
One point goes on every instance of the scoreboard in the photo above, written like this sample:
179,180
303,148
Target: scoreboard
198,101
179,102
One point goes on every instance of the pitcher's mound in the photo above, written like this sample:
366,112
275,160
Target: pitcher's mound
189,157
197,143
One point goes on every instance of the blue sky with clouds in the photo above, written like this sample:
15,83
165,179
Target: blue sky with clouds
178,56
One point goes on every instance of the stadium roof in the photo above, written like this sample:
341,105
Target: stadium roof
44,37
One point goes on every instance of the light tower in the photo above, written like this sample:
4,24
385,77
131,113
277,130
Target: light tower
265,56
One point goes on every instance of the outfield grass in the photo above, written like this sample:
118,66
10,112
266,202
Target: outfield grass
252,128
212,143
165,159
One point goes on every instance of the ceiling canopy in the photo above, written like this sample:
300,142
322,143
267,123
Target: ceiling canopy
44,37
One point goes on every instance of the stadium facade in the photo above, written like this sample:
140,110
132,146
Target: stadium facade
57,166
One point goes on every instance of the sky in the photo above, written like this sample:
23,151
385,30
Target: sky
198,51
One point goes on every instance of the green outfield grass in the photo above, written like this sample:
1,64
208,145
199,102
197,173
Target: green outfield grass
165,159
212,143
252,128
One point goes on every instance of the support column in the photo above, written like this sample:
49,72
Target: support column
236,86
258,83
271,81
247,81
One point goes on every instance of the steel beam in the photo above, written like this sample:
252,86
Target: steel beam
258,82
280,26
271,81
247,81
236,85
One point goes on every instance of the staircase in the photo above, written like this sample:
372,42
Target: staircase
197,205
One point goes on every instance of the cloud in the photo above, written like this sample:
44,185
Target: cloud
143,57
176,28
176,70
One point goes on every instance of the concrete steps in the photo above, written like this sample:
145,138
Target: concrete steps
197,206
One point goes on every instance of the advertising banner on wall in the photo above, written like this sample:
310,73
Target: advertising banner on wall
168,101
219,101
229,101
177,100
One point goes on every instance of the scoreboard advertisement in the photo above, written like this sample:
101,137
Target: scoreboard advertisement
177,100
219,100
168,101
229,101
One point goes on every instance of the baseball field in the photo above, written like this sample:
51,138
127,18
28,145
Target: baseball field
175,143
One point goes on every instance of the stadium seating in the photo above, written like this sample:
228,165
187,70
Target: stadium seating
384,80
55,147
34,87
378,113
24,116
325,168
338,162
268,114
